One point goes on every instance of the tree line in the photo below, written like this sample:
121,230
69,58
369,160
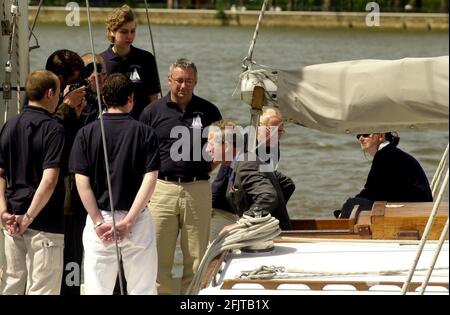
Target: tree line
426,6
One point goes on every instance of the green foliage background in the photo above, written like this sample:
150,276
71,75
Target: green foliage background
426,6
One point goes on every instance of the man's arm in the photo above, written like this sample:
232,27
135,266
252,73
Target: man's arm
8,221
90,204
258,186
41,197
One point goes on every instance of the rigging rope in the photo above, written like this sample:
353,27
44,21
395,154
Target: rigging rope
102,128
247,232
17,61
13,42
426,232
151,40
435,257
248,61
33,25
439,172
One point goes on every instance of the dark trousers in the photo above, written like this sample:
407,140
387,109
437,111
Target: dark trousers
347,207
73,252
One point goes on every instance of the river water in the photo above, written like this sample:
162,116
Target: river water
327,168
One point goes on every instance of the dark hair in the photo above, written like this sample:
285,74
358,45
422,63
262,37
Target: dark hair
64,63
39,82
392,137
116,90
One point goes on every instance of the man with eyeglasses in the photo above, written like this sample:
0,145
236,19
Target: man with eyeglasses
270,130
181,203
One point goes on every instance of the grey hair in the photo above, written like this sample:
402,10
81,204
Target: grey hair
228,130
185,64
269,112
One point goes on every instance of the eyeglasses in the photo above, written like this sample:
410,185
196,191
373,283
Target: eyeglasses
188,82
365,135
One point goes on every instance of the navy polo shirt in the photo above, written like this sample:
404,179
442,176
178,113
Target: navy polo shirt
132,152
140,67
30,143
163,116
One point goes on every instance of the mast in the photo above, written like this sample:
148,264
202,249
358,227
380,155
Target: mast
14,57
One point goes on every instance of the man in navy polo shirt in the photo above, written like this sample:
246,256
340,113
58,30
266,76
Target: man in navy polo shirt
137,64
32,192
133,160
182,199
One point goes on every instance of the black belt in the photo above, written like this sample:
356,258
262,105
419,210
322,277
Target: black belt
182,179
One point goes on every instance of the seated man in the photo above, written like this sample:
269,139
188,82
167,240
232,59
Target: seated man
270,130
249,188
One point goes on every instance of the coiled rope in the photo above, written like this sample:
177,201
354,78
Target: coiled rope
280,272
249,231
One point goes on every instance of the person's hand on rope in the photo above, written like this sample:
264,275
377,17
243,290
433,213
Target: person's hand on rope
256,212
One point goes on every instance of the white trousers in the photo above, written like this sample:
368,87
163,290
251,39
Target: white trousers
139,257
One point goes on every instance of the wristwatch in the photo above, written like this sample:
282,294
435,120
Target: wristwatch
29,217
96,225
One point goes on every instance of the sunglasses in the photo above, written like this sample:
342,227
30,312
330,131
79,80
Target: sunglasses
89,69
365,135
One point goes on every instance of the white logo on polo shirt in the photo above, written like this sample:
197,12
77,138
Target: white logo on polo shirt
134,76
197,122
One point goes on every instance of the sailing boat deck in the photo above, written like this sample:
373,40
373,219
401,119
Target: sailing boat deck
341,259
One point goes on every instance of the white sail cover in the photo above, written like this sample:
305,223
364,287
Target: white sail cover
367,95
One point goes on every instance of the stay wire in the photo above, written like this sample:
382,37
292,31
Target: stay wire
102,128
153,45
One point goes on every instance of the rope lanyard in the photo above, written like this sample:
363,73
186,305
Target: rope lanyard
102,128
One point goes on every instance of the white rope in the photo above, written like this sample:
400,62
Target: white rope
248,231
248,61
426,232
280,272
439,172
102,128
435,257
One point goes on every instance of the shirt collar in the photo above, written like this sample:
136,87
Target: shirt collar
382,145
36,109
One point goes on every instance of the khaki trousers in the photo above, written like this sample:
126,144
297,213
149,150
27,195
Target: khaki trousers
34,263
183,208
2,251
220,219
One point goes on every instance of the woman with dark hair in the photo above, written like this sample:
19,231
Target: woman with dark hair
394,176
